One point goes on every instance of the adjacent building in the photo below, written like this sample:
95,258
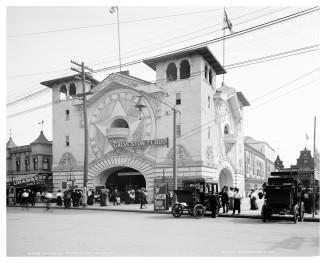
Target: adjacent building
132,147
259,163
29,166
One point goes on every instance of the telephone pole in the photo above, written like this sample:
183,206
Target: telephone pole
83,97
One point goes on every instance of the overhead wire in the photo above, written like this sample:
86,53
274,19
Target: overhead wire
246,63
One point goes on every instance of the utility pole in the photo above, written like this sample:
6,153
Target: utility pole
83,97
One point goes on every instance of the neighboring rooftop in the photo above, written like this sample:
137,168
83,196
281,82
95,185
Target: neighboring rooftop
41,139
53,82
11,144
203,51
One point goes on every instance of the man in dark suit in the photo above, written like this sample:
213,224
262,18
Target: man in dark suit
214,202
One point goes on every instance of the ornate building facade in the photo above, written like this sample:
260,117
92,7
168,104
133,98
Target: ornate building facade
131,147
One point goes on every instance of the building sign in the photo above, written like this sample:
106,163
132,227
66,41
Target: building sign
161,196
141,143
35,180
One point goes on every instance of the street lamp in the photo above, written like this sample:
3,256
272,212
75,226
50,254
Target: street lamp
112,10
140,105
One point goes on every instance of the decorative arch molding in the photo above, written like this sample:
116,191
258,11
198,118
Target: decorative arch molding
143,165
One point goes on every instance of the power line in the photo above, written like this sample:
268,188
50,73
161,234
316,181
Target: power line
194,74
101,25
218,39
245,31
139,61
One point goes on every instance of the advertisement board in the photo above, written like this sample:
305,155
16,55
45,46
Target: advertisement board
161,196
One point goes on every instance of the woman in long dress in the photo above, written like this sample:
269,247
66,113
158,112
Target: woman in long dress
253,200
59,198
104,197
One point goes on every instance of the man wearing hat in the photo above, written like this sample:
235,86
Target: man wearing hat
237,201
142,198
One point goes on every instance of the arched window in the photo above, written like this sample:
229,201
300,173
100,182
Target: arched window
171,72
211,77
184,69
63,93
206,72
226,129
72,90
119,123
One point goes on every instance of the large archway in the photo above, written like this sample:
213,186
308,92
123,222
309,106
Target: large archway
225,178
124,179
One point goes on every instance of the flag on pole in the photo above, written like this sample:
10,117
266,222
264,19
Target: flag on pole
227,23
307,137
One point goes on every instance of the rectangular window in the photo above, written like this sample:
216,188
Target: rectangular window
27,163
67,114
209,132
45,164
209,101
178,98
18,164
67,141
35,164
64,185
178,131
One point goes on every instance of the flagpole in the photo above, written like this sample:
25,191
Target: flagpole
223,43
313,181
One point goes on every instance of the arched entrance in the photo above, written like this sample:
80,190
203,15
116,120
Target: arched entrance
225,178
124,179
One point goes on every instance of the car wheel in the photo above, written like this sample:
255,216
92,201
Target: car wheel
199,211
177,210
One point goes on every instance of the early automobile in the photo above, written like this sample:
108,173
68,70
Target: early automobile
283,196
196,196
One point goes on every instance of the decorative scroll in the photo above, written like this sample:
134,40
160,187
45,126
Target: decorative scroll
67,161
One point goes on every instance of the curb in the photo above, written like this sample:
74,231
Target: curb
276,217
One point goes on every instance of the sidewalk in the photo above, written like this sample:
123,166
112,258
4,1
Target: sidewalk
245,210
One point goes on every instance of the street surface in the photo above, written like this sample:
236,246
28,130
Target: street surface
107,233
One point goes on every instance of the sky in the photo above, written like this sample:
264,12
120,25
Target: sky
284,92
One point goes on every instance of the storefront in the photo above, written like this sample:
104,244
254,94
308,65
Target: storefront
30,182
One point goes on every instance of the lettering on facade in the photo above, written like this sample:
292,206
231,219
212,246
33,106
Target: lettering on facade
38,179
141,143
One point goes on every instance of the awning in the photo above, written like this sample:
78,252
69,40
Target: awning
29,179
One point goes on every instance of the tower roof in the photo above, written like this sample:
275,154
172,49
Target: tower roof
53,82
10,143
41,139
203,51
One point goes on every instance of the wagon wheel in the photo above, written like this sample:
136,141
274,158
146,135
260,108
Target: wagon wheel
177,210
199,211
264,213
295,214
301,212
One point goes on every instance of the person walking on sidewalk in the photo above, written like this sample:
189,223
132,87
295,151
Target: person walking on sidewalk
237,201
59,198
67,199
142,198
253,200
224,199
48,196
231,197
